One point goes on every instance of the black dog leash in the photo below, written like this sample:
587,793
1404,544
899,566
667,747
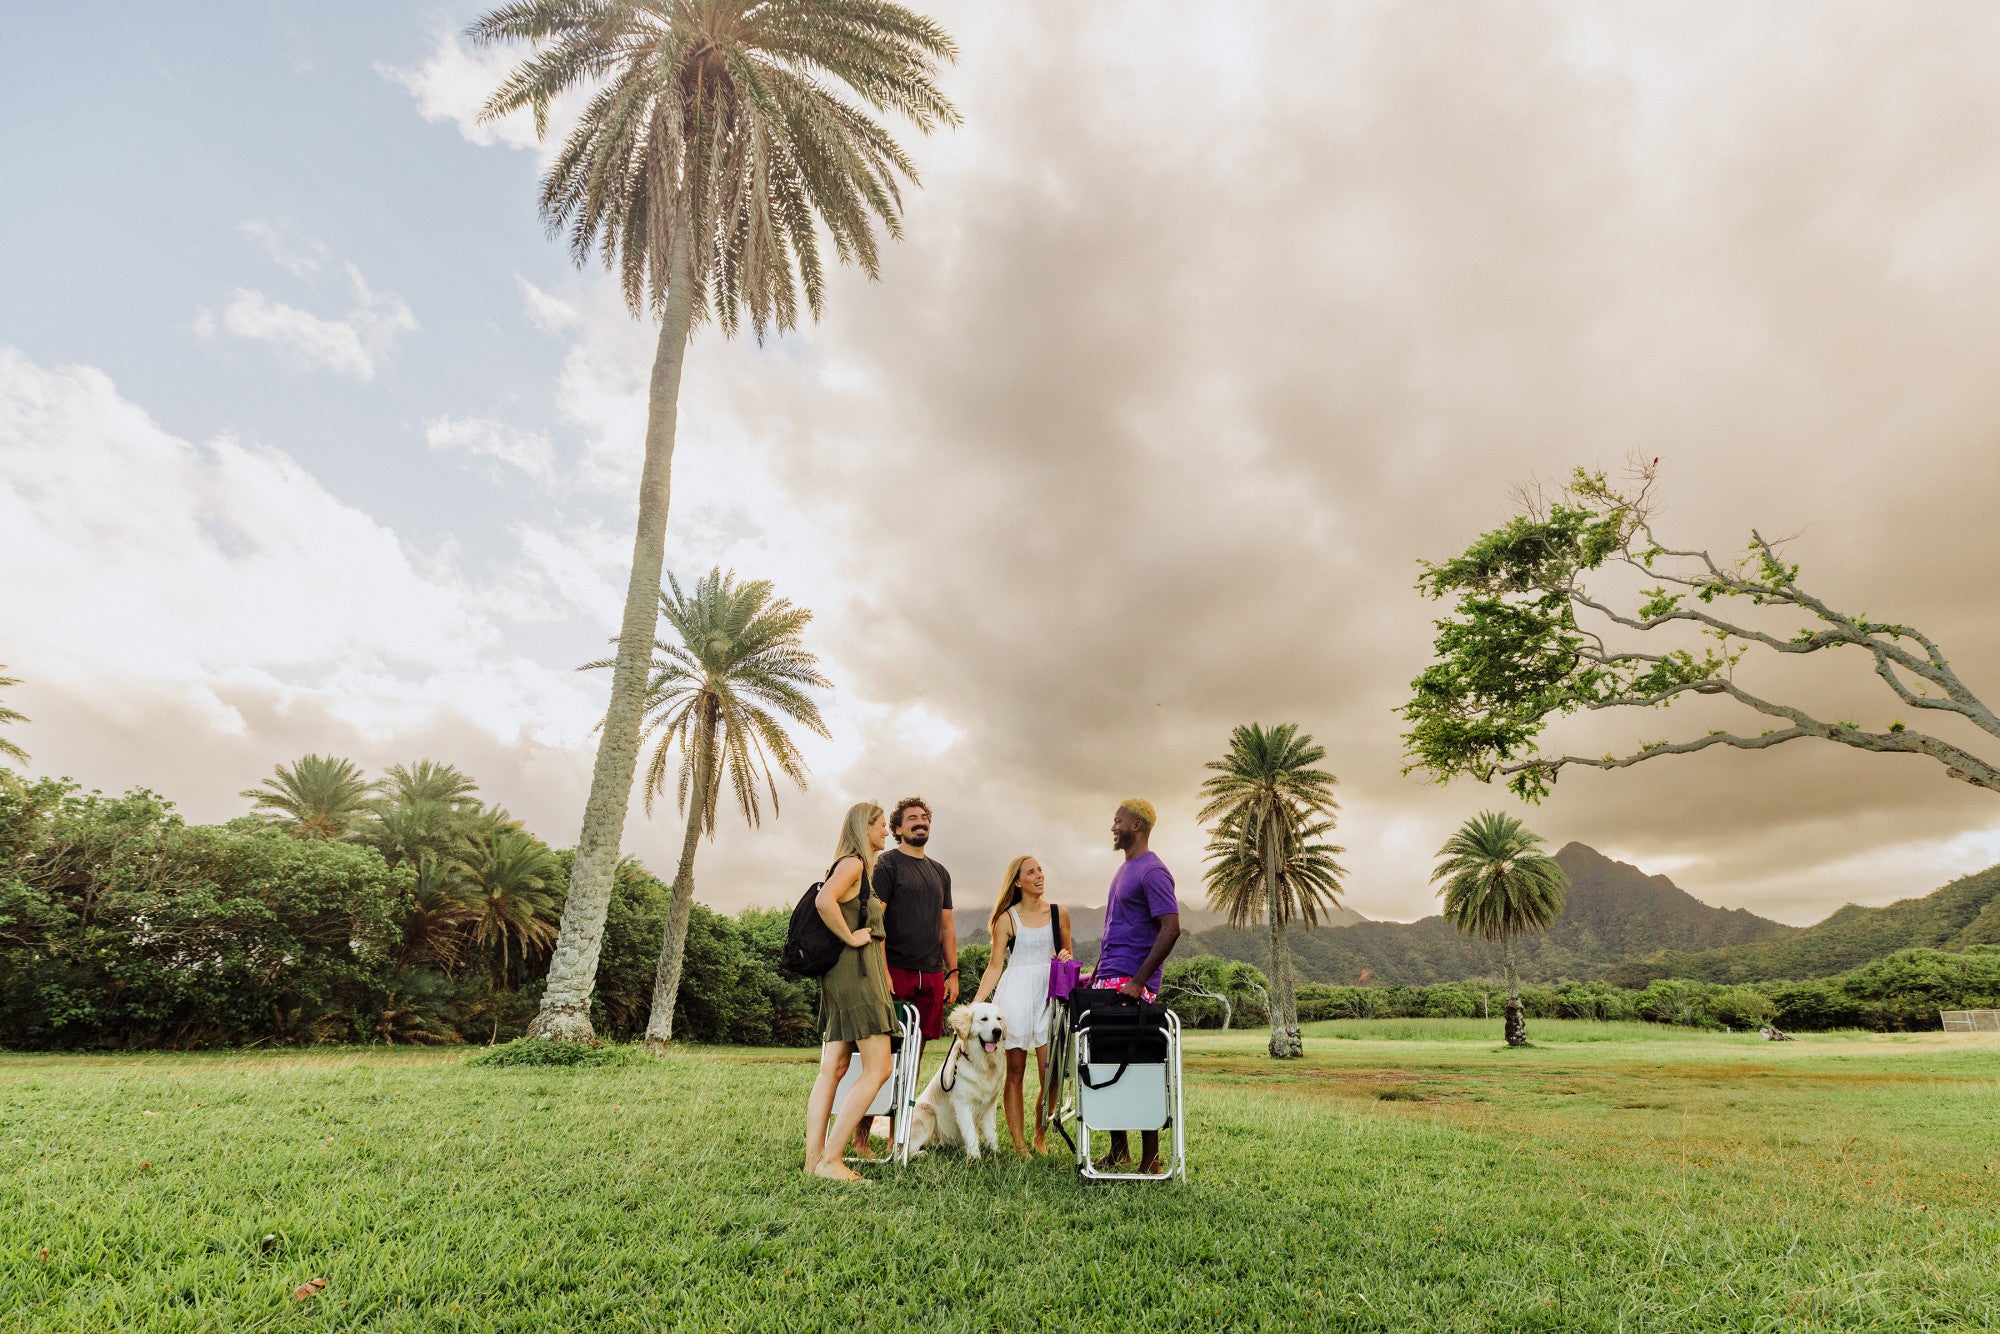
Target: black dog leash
948,1077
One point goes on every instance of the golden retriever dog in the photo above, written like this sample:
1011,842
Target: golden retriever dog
976,1069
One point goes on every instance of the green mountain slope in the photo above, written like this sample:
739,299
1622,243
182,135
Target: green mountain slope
1613,912
1964,912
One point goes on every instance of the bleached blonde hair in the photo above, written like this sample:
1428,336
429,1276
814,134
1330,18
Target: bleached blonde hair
854,836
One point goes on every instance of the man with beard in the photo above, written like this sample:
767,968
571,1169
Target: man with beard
920,936
1142,921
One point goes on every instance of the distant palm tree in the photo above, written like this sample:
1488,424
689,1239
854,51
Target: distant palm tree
427,810
509,884
320,797
443,902
1271,805
715,143
1498,887
430,781
8,750
720,695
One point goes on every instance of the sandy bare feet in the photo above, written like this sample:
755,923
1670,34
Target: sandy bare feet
832,1169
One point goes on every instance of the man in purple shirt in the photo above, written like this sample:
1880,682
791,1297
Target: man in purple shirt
1142,921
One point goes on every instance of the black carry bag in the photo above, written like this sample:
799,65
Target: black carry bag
1123,1031
811,948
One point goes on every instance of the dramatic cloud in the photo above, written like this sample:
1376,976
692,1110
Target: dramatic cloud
1202,334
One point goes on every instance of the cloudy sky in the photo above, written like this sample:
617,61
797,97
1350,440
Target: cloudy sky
1210,322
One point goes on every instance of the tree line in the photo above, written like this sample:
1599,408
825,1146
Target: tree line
413,913
1898,994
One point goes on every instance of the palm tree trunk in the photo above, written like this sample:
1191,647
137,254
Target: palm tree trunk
1285,1041
1516,1026
680,903
565,1012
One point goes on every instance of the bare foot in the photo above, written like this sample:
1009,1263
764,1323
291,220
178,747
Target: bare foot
867,1154
1151,1167
1041,1144
832,1169
1110,1162
1020,1150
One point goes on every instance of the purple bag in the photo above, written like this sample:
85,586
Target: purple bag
1065,976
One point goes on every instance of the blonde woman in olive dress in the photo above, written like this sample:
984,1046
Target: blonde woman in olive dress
856,1012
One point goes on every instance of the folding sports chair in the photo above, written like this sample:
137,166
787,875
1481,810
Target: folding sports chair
898,1094
1121,1070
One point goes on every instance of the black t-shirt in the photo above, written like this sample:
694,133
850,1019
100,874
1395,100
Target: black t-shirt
915,894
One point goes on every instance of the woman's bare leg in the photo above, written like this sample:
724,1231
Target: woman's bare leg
1042,1098
1010,1096
833,1057
874,1073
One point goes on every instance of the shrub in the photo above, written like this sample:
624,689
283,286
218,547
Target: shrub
544,1052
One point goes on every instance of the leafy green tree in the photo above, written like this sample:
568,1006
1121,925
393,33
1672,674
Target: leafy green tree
122,926
1203,988
714,144
1539,630
318,797
8,750
1498,887
720,695
1271,806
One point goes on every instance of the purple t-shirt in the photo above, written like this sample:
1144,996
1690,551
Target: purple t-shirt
1141,893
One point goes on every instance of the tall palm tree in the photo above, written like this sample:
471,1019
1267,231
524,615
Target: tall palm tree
1498,887
715,143
720,695
1271,804
319,796
8,750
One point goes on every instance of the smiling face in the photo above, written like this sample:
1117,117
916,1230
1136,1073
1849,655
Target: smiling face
878,832
1030,878
913,828
1125,829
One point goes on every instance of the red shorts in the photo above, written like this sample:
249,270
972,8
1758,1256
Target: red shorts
1113,983
923,990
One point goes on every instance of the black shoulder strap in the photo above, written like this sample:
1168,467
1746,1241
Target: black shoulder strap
1055,924
865,887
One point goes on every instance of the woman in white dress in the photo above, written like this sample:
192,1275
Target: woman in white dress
1028,931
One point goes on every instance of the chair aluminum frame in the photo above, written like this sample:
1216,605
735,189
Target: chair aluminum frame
898,1094
1070,1054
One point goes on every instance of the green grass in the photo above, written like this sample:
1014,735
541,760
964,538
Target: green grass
1655,1179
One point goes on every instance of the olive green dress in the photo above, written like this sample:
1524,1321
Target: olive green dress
854,1002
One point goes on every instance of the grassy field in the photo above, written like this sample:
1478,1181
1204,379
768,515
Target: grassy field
1407,1175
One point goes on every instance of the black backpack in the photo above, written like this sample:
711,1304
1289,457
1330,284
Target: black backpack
811,948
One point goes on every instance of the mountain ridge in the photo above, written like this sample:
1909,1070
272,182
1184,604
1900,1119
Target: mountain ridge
1962,912
1613,912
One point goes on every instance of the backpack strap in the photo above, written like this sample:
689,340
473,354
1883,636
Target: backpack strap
1055,925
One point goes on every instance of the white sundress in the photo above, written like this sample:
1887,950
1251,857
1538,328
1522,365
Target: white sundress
1023,990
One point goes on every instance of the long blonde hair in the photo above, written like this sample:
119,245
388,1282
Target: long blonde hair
854,837
1010,891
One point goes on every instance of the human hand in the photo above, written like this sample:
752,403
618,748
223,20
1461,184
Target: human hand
1133,988
951,991
1064,954
860,938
